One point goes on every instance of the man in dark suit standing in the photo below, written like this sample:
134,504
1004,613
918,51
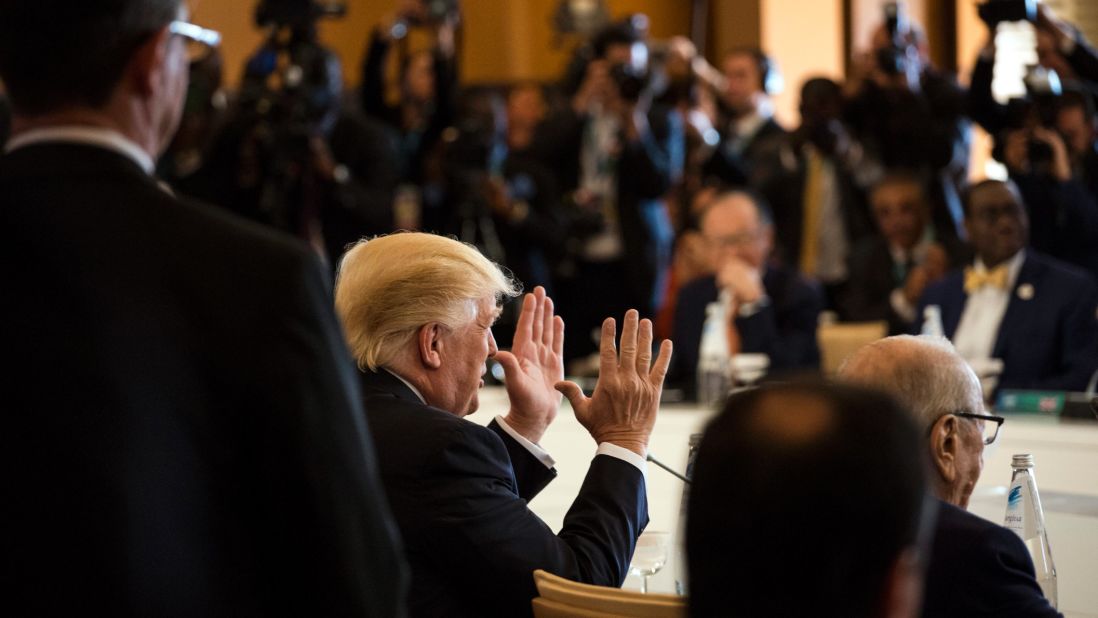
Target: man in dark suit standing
418,311
1036,314
976,568
776,311
181,434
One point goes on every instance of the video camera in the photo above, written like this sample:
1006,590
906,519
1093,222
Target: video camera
1037,108
994,12
296,13
895,58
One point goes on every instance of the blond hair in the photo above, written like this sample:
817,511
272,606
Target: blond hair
389,286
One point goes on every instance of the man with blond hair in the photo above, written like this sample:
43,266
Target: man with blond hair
418,311
977,568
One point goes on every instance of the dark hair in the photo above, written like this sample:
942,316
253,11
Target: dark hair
968,191
622,33
900,176
803,510
763,64
821,88
56,53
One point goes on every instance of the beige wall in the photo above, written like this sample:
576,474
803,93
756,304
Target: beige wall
806,36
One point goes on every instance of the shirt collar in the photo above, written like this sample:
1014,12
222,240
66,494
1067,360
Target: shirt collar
408,384
108,139
747,126
918,252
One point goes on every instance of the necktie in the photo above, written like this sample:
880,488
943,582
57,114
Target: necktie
810,228
974,280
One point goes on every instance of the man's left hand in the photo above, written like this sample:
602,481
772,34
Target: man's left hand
533,366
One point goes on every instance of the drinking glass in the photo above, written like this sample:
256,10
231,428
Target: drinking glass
650,556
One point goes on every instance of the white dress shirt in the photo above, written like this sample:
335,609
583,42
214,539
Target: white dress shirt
979,326
605,448
107,139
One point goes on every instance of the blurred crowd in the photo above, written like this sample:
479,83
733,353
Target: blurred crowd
646,177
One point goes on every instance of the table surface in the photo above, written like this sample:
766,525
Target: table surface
1066,468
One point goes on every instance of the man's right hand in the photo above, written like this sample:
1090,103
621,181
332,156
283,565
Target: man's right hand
622,410
742,279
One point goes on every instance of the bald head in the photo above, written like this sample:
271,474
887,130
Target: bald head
928,375
925,373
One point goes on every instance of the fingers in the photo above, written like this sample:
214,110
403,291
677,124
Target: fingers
509,363
575,396
537,321
558,335
548,331
524,328
629,338
644,347
659,370
608,356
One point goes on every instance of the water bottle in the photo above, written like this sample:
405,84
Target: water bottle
714,359
1025,517
932,321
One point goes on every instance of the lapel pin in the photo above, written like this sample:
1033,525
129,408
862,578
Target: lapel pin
1025,291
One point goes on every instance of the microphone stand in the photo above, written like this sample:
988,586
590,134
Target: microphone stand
669,470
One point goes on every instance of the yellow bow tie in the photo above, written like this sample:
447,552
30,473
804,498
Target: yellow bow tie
974,280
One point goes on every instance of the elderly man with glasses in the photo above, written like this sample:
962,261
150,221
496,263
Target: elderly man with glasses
977,568
181,429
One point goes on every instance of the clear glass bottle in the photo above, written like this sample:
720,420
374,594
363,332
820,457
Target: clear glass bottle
1025,517
714,358
932,321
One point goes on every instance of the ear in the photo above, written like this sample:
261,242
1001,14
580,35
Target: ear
147,63
945,442
429,340
903,587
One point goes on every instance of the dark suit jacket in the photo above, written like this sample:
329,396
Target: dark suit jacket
181,433
979,569
785,329
1049,341
873,276
459,493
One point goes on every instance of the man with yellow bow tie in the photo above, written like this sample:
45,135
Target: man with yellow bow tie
1039,316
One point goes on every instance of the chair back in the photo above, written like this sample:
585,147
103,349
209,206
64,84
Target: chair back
563,598
839,340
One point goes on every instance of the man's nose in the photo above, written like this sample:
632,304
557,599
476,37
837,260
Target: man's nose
492,349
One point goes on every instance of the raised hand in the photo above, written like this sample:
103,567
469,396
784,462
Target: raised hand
534,366
622,410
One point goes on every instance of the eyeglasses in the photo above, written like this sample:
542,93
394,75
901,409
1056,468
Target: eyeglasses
200,41
990,431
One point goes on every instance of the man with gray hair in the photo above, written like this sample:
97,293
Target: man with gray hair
976,568
418,311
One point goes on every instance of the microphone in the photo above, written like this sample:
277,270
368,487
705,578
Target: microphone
669,470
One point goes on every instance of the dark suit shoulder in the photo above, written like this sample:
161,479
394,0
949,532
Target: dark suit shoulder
978,568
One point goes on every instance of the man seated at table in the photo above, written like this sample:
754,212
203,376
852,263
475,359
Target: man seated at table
776,311
890,269
808,500
977,568
418,311
1036,314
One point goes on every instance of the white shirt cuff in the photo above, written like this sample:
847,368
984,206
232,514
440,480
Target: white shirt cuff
624,454
539,453
900,305
749,309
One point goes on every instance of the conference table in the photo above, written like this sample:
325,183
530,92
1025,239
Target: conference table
1066,469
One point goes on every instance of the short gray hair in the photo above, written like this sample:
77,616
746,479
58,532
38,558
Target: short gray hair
924,373
388,287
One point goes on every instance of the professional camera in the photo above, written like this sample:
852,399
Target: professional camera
895,58
632,77
296,13
1036,109
994,12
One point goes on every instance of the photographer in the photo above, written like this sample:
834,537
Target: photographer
289,156
427,83
615,155
909,115
1060,48
1062,211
